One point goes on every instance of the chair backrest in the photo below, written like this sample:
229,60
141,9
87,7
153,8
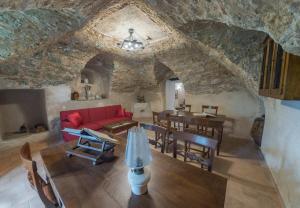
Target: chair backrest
210,109
186,106
163,116
177,121
189,107
197,140
160,132
154,128
200,123
33,177
29,165
155,116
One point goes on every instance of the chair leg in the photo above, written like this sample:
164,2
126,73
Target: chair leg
167,145
185,151
156,140
163,143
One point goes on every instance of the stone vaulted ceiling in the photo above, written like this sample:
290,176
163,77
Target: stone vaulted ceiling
210,45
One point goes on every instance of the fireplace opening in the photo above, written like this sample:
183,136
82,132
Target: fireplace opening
22,113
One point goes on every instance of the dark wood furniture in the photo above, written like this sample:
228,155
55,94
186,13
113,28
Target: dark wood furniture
160,135
120,126
155,117
280,73
184,107
175,123
43,188
195,125
215,123
160,118
203,157
173,183
215,112
257,130
189,107
210,107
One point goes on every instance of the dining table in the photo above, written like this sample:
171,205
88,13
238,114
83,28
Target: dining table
216,122
174,183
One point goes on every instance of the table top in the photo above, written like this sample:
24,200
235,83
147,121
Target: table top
77,183
121,124
218,118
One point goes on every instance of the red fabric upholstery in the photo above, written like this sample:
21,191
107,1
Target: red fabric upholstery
83,112
121,113
75,119
93,118
97,114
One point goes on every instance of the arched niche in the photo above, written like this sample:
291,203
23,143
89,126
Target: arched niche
97,76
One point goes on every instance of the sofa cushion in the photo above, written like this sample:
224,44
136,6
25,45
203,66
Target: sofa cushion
112,111
75,119
97,114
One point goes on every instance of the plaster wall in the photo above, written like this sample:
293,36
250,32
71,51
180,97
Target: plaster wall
155,99
18,107
239,106
280,146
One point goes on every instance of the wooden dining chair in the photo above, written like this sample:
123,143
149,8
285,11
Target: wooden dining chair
175,123
160,119
155,116
210,109
43,188
188,108
196,125
204,158
160,135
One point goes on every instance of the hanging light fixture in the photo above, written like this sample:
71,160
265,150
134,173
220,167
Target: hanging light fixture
131,43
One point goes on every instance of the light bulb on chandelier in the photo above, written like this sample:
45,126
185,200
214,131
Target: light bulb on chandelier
131,43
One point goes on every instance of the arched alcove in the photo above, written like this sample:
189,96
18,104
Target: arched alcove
96,77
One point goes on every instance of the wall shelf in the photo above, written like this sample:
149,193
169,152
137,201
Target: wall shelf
280,73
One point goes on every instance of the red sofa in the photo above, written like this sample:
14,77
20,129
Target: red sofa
92,118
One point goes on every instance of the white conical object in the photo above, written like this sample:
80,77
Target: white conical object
138,154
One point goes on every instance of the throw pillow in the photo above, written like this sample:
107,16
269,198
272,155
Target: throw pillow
75,118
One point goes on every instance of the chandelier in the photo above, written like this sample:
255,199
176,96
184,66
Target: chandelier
131,43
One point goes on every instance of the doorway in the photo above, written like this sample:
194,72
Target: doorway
175,94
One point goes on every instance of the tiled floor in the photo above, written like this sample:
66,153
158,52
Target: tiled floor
249,181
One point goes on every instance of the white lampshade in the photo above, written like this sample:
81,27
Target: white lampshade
138,154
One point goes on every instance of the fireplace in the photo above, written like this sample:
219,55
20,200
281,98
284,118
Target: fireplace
22,112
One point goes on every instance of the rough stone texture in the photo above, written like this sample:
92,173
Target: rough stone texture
31,31
27,31
133,75
198,72
242,47
279,18
55,65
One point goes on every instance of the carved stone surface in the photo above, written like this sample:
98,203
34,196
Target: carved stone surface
49,42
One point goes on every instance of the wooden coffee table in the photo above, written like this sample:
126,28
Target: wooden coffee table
120,126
